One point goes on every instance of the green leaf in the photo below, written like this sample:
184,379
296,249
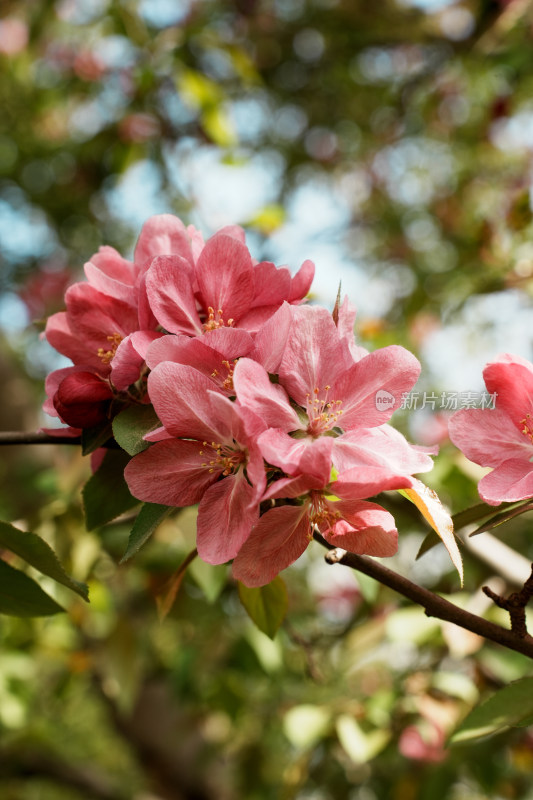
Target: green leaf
210,578
503,516
475,513
36,552
150,517
106,494
511,706
431,540
20,596
131,425
266,605
93,438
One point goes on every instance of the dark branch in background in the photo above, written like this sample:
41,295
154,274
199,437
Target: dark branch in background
515,604
25,761
433,604
37,437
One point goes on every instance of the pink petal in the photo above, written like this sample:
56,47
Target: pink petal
171,297
271,284
69,431
379,447
147,319
288,488
356,484
513,383
197,353
129,359
108,262
345,326
298,456
269,401
255,318
488,436
313,355
229,342
391,370
180,397
279,538
301,282
235,231
157,435
365,528
271,339
96,315
113,286
226,515
162,235
224,273
61,336
510,481
170,473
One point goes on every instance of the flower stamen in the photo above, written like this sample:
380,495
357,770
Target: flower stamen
215,319
107,356
223,457
527,429
323,413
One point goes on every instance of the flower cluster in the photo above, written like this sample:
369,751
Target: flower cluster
268,408
176,283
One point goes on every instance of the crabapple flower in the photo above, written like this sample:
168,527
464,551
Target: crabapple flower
223,288
501,438
283,533
207,455
323,392
109,323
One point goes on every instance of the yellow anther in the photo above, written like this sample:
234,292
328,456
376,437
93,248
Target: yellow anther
107,356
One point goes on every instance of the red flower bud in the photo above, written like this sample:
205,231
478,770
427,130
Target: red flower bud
82,400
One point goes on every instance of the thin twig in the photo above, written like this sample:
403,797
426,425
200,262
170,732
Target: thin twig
515,604
433,604
36,437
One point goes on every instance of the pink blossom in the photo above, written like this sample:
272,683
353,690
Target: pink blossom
501,438
223,288
323,392
217,465
108,325
283,533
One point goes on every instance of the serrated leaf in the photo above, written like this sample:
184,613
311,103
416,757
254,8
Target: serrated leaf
503,516
430,541
150,517
106,494
93,438
131,425
509,707
475,513
266,605
20,596
428,503
37,553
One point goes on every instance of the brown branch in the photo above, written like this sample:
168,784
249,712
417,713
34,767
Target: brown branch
433,604
515,604
36,437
